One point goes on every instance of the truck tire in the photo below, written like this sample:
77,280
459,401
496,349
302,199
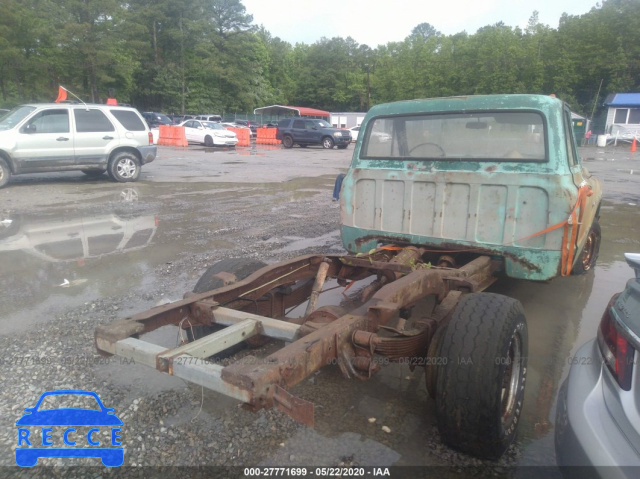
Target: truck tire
5,173
124,167
287,141
586,260
481,374
240,268
327,142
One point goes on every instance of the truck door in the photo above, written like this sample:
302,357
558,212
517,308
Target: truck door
581,177
313,133
299,131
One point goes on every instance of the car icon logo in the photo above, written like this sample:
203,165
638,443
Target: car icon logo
69,432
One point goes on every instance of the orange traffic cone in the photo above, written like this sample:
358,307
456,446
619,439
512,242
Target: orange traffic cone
633,145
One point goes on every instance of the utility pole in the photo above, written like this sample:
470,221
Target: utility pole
368,87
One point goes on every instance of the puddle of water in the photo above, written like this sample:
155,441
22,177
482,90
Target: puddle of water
112,240
298,244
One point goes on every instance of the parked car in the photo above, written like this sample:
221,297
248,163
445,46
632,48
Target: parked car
598,411
305,132
38,138
156,119
354,132
208,133
209,117
251,124
252,133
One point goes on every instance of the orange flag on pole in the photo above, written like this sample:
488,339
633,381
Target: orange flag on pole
62,94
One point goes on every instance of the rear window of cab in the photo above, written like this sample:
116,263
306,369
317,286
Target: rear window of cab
514,136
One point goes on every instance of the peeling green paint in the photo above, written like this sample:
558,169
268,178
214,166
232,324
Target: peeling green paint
462,203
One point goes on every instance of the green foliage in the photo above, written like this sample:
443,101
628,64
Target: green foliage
207,56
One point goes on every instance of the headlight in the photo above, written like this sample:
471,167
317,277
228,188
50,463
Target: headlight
337,133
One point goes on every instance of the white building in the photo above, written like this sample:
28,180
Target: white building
623,116
346,119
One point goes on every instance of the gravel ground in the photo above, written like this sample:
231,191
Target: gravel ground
60,354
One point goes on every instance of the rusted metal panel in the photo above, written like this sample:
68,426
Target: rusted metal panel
299,409
296,361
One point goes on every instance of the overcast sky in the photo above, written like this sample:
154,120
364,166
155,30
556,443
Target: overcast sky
377,22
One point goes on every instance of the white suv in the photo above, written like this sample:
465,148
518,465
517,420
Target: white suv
94,139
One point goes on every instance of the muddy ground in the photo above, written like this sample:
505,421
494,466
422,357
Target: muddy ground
78,252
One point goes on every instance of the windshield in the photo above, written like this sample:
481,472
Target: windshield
213,126
482,136
322,124
15,116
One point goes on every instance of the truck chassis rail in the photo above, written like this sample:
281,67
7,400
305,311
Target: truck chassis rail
323,336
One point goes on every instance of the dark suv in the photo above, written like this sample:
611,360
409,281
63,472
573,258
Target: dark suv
311,132
156,119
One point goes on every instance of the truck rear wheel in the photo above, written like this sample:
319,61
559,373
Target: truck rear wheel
586,260
481,378
240,268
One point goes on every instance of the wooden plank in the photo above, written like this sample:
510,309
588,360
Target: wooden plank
273,328
192,369
215,342
139,351
206,374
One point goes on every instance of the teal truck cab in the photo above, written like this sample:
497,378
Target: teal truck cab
443,197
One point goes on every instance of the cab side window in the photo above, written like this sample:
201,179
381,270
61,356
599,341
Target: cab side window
298,124
568,134
91,120
49,121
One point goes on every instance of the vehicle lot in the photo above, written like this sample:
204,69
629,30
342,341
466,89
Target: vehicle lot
270,204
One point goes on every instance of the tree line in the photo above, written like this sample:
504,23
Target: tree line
207,56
